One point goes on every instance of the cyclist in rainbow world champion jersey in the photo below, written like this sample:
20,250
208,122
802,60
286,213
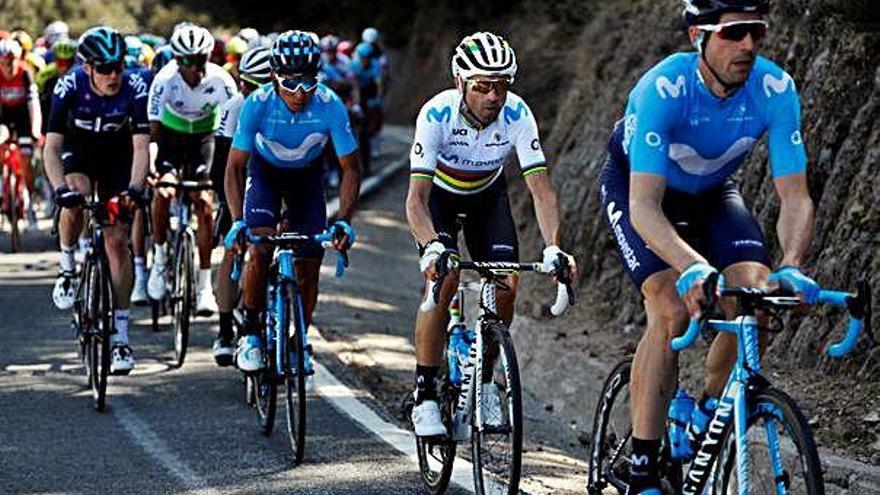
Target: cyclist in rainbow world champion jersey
668,200
98,140
282,132
184,111
463,139
254,70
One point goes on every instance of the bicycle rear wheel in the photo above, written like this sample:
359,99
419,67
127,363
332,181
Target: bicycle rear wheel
496,446
295,372
437,455
782,452
610,447
264,383
183,296
100,339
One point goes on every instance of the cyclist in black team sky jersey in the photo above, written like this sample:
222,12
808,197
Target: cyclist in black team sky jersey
464,136
667,197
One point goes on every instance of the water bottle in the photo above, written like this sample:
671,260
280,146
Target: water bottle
457,354
699,423
680,411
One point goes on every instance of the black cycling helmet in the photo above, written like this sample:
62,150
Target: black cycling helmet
709,11
296,52
101,45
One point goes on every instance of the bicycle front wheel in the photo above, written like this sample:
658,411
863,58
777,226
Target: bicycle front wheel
496,444
183,296
100,340
437,455
295,371
782,452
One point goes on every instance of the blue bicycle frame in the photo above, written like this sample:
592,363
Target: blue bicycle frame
746,373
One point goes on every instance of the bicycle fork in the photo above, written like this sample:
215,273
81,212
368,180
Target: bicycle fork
286,274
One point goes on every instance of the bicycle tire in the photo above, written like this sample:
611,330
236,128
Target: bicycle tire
101,339
776,404
295,373
183,296
86,321
505,477
599,475
264,383
440,450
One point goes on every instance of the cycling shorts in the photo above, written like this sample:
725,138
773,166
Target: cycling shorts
301,189
109,171
18,120
715,222
489,231
184,153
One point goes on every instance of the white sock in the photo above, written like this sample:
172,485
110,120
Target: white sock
160,257
204,278
68,263
140,268
120,317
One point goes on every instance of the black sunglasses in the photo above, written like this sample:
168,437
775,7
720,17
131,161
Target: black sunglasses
193,60
109,68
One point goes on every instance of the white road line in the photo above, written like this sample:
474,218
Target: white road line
150,442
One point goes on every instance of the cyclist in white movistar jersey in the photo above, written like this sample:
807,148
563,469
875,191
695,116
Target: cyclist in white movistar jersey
254,70
464,137
184,111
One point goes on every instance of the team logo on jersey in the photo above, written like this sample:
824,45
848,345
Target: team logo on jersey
665,87
536,145
449,158
778,85
443,115
653,139
210,90
459,132
693,163
137,83
64,85
796,138
418,150
512,115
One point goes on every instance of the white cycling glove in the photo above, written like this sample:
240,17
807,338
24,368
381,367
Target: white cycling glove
550,257
431,254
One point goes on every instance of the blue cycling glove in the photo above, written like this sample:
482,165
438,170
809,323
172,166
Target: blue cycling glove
695,271
791,278
345,228
233,233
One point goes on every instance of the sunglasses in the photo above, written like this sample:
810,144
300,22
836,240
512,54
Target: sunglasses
193,61
293,83
111,68
737,30
486,86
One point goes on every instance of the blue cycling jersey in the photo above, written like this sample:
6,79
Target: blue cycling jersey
675,127
287,139
366,75
81,114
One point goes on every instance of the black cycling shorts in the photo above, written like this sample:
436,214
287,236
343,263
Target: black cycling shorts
184,153
18,120
108,168
489,231
715,222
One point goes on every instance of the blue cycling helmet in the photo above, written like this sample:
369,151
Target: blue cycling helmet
101,45
163,55
364,50
698,12
296,52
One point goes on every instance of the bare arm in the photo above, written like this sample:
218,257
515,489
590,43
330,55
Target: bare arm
417,214
52,159
234,181
140,159
646,214
795,224
546,208
349,184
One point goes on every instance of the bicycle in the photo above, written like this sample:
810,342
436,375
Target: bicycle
180,298
13,188
724,460
93,323
284,295
496,470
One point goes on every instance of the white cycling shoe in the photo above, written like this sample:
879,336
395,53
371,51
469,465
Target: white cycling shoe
427,421
64,292
156,287
224,351
490,406
249,356
139,296
206,303
121,359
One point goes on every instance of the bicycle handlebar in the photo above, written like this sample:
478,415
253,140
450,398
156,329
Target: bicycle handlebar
858,304
185,185
325,239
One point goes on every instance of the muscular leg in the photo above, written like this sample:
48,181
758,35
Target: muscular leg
71,223
506,299
161,206
139,234
655,366
204,211
429,332
226,287
119,256
308,272
256,273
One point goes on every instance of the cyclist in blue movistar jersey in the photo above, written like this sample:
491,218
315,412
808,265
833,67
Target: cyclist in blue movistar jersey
368,74
677,217
98,137
282,131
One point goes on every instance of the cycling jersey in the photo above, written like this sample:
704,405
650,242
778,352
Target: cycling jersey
286,139
464,160
675,127
229,116
18,89
188,110
335,72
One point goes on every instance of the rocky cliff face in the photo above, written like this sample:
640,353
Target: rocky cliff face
578,61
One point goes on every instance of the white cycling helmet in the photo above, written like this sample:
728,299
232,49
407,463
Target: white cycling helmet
8,46
254,65
250,35
483,54
370,35
192,40
56,30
